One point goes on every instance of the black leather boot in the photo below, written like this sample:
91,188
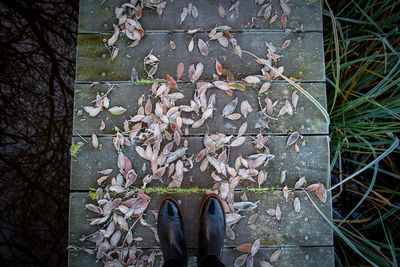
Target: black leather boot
171,233
211,232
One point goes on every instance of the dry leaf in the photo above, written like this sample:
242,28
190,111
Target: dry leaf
238,141
114,37
179,70
198,71
191,45
284,20
195,12
221,11
283,176
172,82
116,110
218,67
221,85
134,75
262,177
203,47
265,264
273,19
95,141
285,44
275,256
264,87
92,111
300,183
242,129
172,45
285,7
230,233
296,205
287,108
102,125
278,213
223,41
295,99
292,139
230,107
245,108
184,14
234,116
246,247
237,50
285,192
240,260
271,212
255,247
252,79
252,218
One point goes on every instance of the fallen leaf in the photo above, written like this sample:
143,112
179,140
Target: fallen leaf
242,129
221,11
283,176
296,205
223,41
195,12
102,125
284,20
172,45
230,107
230,233
252,218
274,17
191,45
198,71
95,141
265,264
255,247
252,79
275,256
92,111
264,87
203,47
278,213
285,44
184,14
172,82
134,75
285,192
300,183
240,260
292,139
234,116
295,99
238,141
179,70
218,67
117,110
285,7
246,247
114,37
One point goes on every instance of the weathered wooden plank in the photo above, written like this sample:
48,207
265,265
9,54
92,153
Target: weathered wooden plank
290,256
303,59
308,228
306,120
312,162
96,18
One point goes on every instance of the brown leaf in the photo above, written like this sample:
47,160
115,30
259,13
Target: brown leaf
218,67
275,256
252,218
172,82
287,108
179,70
284,20
223,41
105,172
262,177
273,19
246,247
203,47
300,183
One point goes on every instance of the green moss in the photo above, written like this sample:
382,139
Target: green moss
163,190
92,193
310,1
75,148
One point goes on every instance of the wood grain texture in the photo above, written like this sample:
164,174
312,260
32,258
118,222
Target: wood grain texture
290,256
307,119
96,18
308,228
312,162
303,59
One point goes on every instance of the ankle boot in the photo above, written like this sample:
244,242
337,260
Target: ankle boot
171,233
211,231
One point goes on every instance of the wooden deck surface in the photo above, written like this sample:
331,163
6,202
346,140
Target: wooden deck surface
306,239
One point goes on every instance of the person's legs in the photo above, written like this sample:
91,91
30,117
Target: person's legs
211,232
171,233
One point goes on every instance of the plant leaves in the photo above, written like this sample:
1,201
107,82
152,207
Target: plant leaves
240,260
292,139
92,111
296,205
300,183
242,129
114,37
252,218
238,141
221,11
230,107
191,45
295,99
255,247
218,67
183,14
246,247
134,75
95,141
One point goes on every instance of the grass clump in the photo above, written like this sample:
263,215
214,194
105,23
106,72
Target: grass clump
363,75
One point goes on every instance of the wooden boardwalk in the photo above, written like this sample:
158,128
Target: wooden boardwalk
306,238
